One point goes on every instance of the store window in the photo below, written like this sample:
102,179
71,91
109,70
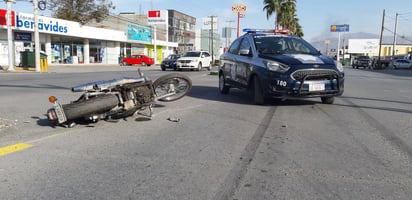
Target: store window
97,51
67,50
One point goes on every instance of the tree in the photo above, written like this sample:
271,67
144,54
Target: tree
273,7
285,11
81,11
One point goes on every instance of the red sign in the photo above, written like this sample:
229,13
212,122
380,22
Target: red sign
153,13
3,18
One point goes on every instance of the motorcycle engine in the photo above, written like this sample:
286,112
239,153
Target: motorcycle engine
138,95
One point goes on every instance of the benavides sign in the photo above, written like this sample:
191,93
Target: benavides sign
45,24
24,22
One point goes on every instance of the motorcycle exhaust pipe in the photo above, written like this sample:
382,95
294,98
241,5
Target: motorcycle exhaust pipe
104,84
92,86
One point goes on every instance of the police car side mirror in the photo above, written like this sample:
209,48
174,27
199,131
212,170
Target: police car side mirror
245,52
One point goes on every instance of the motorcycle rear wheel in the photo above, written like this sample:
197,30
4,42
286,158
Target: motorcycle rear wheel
176,83
95,105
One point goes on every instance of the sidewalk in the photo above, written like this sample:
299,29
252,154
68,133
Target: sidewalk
73,68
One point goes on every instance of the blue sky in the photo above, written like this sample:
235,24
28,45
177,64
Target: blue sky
316,16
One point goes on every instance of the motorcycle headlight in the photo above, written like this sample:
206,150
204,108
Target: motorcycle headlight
276,66
339,66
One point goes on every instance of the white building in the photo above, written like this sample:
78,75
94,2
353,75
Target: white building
72,43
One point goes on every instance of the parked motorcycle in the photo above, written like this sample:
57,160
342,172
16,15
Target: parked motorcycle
118,98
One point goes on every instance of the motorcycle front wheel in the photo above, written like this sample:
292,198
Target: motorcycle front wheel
172,87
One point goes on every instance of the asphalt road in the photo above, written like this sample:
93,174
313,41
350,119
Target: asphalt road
223,147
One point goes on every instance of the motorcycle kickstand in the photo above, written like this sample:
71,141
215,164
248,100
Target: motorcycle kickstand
150,111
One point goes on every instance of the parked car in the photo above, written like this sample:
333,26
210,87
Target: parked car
402,63
276,66
362,61
170,62
194,60
137,60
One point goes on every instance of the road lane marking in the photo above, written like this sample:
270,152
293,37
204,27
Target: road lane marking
13,148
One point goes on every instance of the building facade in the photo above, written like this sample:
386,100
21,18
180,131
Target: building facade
70,42
106,42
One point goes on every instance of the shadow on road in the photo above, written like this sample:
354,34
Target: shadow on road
239,96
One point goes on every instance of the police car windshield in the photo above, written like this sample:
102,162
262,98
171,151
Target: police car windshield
283,45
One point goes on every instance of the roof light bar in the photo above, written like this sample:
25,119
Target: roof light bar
273,31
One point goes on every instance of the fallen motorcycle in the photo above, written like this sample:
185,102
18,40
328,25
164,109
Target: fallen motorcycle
118,98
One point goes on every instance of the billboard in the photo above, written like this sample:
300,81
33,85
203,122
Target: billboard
139,33
3,18
157,17
363,46
239,8
339,28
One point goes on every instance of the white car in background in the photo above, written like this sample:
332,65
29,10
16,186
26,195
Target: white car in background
402,63
194,60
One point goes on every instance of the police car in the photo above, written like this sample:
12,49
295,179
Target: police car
273,64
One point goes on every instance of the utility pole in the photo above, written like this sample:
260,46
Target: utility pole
380,40
10,35
36,36
230,28
212,36
394,37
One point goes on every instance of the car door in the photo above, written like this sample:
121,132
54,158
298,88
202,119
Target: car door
405,64
206,59
229,64
132,60
138,59
244,60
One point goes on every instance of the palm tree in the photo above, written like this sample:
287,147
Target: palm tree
288,10
273,7
286,17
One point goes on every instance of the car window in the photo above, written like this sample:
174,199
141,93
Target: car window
234,48
192,54
206,54
246,45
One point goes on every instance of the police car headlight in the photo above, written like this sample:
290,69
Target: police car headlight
339,66
275,66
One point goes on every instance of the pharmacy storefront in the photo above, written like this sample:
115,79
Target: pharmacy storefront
68,42
61,40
